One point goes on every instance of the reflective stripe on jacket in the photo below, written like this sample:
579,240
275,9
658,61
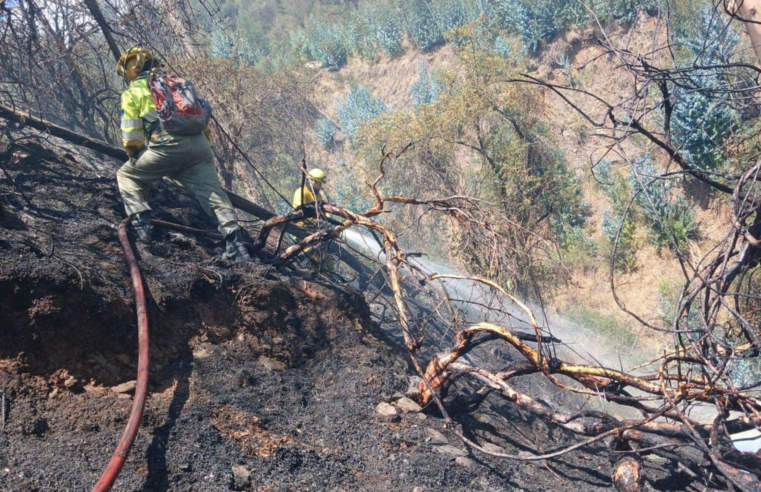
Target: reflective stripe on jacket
138,112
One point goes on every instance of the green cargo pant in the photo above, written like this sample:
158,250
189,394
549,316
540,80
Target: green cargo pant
186,160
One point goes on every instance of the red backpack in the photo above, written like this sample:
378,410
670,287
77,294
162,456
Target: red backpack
180,110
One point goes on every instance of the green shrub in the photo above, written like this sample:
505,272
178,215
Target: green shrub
616,221
422,26
358,38
326,132
450,14
326,45
669,217
425,90
388,34
357,108
702,121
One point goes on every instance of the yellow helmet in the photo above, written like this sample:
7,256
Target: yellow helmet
318,175
131,63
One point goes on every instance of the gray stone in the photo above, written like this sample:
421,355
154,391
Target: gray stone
493,448
408,406
201,352
386,410
447,449
272,364
127,387
418,489
414,390
242,475
436,436
466,462
185,467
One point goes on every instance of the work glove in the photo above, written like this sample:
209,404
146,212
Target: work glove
209,134
133,147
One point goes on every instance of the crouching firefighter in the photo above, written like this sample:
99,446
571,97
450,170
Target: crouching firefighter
172,142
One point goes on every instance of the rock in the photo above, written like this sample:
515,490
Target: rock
201,352
242,475
418,489
127,387
272,364
436,436
386,410
186,467
408,406
414,390
493,448
70,382
447,449
466,462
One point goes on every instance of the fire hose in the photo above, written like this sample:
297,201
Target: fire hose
114,467
109,475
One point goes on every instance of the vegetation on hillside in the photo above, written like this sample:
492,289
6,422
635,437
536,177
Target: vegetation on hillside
478,156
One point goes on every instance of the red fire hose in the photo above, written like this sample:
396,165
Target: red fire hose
109,475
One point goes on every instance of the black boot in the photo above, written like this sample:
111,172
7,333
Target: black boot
142,224
235,249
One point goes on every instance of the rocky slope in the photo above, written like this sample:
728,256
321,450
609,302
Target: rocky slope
259,381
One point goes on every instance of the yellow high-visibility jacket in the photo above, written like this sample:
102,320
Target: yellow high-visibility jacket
138,114
308,198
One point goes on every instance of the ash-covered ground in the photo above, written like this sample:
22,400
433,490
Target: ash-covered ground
259,381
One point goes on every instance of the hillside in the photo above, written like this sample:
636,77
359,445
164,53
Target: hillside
589,67
259,381
532,261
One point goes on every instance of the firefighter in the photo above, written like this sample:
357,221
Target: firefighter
186,160
312,191
322,258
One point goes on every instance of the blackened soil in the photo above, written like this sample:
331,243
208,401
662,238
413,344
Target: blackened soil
258,381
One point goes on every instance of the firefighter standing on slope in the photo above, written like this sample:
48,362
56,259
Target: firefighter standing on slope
154,154
311,192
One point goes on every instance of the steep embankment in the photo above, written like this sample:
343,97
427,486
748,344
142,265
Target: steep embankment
258,382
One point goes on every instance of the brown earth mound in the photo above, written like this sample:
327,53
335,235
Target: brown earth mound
258,381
